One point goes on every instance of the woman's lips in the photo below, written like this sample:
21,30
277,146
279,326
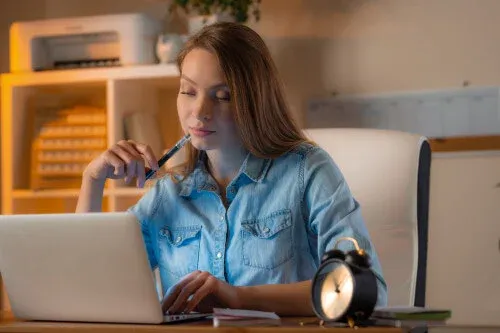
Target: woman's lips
201,132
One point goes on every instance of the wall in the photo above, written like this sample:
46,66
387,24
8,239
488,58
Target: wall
11,11
348,46
364,46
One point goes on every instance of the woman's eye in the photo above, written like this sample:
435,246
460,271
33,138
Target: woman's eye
189,93
222,96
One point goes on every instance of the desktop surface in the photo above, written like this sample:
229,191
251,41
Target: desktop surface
289,325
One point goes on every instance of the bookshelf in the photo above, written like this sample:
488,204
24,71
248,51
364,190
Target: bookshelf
118,91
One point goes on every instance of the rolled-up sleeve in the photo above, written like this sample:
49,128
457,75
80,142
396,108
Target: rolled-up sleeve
331,213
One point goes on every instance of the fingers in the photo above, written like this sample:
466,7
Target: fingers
147,152
191,288
203,291
141,173
130,156
123,160
116,163
131,164
169,299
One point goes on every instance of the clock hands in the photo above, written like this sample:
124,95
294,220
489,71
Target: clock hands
339,285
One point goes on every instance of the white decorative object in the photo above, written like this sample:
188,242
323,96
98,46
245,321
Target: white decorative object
168,47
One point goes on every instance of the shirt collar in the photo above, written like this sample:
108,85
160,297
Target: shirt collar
253,167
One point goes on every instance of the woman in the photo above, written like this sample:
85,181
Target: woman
244,223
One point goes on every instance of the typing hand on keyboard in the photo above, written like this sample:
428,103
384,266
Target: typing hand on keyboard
199,291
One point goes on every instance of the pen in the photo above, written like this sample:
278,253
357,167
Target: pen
168,155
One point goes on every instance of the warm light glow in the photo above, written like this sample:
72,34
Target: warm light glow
328,299
336,291
347,287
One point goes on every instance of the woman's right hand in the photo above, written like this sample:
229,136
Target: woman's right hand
123,160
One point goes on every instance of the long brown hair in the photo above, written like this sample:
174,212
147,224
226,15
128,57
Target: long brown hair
262,114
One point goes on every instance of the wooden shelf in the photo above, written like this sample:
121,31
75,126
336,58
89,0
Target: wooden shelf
73,193
147,72
120,91
62,193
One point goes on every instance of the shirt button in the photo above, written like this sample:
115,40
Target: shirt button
222,217
219,255
266,230
178,239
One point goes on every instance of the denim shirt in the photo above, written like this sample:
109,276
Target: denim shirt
282,215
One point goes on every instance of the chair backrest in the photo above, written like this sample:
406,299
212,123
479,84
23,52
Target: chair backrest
388,173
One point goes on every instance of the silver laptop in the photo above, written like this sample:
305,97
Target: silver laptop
89,267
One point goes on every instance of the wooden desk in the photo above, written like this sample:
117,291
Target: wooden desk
290,325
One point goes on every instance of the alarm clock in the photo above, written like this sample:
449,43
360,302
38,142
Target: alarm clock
344,288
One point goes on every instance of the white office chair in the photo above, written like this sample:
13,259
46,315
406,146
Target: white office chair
388,173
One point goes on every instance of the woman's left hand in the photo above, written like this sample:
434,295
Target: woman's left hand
200,291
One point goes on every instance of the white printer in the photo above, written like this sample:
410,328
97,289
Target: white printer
92,41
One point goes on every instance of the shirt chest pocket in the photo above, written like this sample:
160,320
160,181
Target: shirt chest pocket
267,242
179,249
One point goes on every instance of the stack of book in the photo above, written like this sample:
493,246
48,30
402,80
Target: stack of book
232,317
65,140
410,317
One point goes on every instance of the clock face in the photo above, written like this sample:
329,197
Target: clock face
336,289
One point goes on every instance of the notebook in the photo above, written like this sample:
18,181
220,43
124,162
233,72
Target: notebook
411,313
233,317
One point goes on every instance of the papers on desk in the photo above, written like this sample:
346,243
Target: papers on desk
232,317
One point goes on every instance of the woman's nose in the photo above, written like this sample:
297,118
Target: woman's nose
203,109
